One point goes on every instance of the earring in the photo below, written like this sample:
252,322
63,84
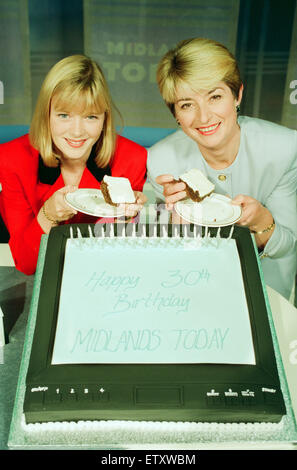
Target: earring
178,123
237,108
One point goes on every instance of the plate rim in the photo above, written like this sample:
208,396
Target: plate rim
85,211
212,224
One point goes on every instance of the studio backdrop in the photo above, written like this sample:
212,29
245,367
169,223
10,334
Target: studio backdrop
128,38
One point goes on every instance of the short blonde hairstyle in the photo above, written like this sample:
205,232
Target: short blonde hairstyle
199,63
76,81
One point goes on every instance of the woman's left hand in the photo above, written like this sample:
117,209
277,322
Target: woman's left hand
131,210
254,215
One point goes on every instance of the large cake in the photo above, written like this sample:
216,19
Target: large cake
135,324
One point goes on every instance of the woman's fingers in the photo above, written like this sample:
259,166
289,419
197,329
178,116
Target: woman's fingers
174,197
170,185
173,190
132,209
162,179
58,206
252,210
140,198
67,189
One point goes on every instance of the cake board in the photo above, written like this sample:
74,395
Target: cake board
142,435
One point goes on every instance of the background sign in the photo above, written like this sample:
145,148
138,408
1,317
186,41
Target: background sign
129,38
15,86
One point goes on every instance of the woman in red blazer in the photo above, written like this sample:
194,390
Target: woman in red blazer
72,143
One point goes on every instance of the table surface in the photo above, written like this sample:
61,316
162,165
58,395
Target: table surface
15,297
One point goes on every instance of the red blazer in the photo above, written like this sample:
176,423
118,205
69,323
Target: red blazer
23,194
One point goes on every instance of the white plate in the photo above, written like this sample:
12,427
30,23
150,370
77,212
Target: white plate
214,211
91,202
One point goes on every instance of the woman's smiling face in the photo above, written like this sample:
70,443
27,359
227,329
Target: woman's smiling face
209,117
73,131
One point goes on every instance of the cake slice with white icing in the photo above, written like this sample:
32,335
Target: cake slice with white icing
198,186
117,190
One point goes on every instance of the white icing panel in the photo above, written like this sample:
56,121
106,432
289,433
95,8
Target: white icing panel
152,300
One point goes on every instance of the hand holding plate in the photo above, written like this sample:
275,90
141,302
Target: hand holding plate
56,206
131,210
254,214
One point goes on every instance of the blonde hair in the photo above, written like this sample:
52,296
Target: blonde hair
74,80
199,63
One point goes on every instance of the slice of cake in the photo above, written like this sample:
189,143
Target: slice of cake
117,190
198,186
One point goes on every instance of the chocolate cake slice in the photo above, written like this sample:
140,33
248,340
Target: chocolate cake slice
198,187
117,190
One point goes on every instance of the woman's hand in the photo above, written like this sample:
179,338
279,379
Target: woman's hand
256,217
172,190
55,209
131,210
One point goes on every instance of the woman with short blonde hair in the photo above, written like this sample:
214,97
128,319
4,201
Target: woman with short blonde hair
201,64
252,161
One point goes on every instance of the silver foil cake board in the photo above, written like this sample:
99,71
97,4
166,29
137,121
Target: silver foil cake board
90,435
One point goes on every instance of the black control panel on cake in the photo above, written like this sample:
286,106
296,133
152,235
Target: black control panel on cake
192,402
